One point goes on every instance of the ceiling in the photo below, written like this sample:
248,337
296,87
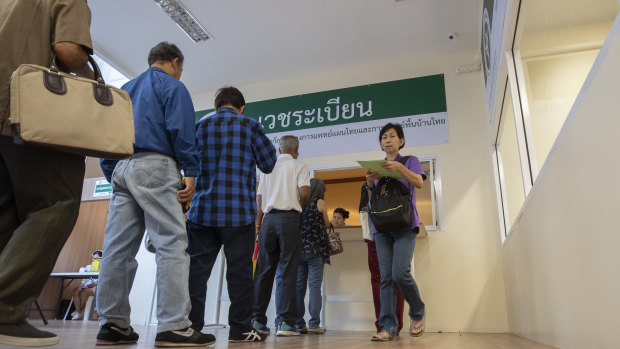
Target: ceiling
550,15
267,40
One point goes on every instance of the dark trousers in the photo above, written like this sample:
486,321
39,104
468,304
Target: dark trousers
40,194
278,254
375,280
203,248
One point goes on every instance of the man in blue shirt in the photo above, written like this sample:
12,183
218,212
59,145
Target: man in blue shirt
148,193
223,210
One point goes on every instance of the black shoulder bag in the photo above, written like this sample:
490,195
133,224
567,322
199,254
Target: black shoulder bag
391,204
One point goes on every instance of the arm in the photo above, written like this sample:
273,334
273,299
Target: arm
371,177
263,150
71,57
303,183
185,195
70,21
179,119
304,195
413,178
320,205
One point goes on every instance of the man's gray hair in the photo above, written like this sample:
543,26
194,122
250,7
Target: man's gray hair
289,142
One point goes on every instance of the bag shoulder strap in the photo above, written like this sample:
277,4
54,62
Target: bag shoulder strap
403,160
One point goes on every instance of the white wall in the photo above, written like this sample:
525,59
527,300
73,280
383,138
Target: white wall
551,93
458,269
561,260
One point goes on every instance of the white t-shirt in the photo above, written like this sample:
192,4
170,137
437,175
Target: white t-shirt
279,189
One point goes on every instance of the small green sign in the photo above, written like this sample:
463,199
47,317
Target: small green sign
102,188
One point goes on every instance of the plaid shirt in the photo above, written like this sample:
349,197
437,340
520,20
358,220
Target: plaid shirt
231,146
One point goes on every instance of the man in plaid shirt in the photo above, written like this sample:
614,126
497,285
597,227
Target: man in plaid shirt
223,210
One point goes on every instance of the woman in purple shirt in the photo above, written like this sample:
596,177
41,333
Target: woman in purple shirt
395,248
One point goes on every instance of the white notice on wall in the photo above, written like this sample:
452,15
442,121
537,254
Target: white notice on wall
102,189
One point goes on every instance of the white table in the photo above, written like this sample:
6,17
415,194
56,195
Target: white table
71,277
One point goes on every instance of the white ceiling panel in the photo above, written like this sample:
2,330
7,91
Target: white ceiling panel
264,40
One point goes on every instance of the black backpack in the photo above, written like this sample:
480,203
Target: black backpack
390,203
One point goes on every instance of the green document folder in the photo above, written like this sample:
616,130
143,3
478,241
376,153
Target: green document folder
375,166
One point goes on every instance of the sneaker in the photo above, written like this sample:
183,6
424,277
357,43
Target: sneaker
252,336
111,334
316,330
302,330
26,335
285,330
187,337
260,328
78,316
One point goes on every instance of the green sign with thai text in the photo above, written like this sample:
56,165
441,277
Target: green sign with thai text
343,115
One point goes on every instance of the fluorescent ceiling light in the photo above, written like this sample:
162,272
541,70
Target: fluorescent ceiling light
182,17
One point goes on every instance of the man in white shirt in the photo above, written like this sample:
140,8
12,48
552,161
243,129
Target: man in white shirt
280,198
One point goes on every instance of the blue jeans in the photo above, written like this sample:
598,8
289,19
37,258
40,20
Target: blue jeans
278,253
204,246
145,196
309,271
395,251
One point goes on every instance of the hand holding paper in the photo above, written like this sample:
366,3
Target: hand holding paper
375,166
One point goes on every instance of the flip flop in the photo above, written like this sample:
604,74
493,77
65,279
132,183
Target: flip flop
382,336
417,328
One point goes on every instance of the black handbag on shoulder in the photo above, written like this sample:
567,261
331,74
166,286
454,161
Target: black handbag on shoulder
391,204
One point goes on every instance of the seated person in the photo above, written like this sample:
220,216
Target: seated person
85,289
339,217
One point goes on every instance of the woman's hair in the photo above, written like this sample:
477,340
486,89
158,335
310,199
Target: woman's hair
97,252
317,189
399,132
344,213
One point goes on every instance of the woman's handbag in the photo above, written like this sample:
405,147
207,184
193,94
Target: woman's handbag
390,204
366,224
335,243
69,113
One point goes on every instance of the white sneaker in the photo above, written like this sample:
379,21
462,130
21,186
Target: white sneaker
78,316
